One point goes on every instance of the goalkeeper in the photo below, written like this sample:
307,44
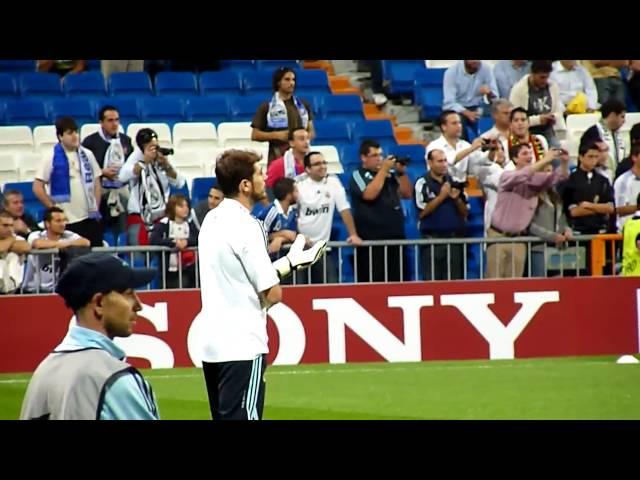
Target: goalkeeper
238,284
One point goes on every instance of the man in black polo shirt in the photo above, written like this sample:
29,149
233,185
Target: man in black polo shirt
282,113
111,148
442,212
376,189
588,197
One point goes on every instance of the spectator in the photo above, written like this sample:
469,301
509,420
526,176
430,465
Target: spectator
291,163
456,150
634,82
111,149
631,247
517,200
62,67
23,222
72,175
608,131
42,270
178,231
488,174
550,224
116,66
202,208
627,190
500,111
520,134
540,98
588,197
577,90
376,188
150,175
13,248
281,217
508,73
634,138
319,195
468,86
275,118
442,213
606,75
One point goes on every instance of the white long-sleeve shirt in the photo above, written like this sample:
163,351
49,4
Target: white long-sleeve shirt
570,82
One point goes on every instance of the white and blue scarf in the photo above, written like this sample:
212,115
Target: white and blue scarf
114,157
277,117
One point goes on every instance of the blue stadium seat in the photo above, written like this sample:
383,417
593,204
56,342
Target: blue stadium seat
130,83
225,82
484,124
401,75
3,112
429,77
430,98
350,157
258,82
271,65
238,64
346,107
81,109
244,108
127,108
87,83
40,84
380,130
200,188
176,83
312,81
161,109
26,111
8,87
184,190
331,132
208,109
17,65
93,65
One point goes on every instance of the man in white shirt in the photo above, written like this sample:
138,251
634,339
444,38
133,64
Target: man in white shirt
626,189
577,89
43,270
319,194
12,251
238,284
150,176
73,179
500,111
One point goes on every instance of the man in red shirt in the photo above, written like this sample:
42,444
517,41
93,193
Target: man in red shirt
291,163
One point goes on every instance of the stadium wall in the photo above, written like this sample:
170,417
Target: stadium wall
368,323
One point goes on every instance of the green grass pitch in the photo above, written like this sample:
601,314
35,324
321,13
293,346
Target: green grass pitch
558,388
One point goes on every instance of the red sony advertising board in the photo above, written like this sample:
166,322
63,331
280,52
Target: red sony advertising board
367,323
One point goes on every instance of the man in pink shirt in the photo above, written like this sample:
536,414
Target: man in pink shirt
518,194
292,162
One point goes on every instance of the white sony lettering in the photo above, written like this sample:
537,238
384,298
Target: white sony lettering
475,308
148,347
292,337
346,312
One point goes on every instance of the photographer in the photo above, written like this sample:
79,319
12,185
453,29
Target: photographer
442,213
516,204
376,189
150,175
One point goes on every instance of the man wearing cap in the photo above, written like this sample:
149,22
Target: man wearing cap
86,377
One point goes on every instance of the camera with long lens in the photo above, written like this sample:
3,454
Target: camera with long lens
488,144
165,151
401,160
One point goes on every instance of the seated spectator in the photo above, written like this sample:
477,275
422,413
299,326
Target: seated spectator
117,66
376,188
634,138
607,77
607,130
319,195
468,87
13,249
550,224
500,111
43,270
23,222
178,231
202,208
540,98
284,112
577,90
507,73
520,134
150,176
73,179
631,246
627,190
111,149
62,67
280,219
442,213
517,200
291,164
